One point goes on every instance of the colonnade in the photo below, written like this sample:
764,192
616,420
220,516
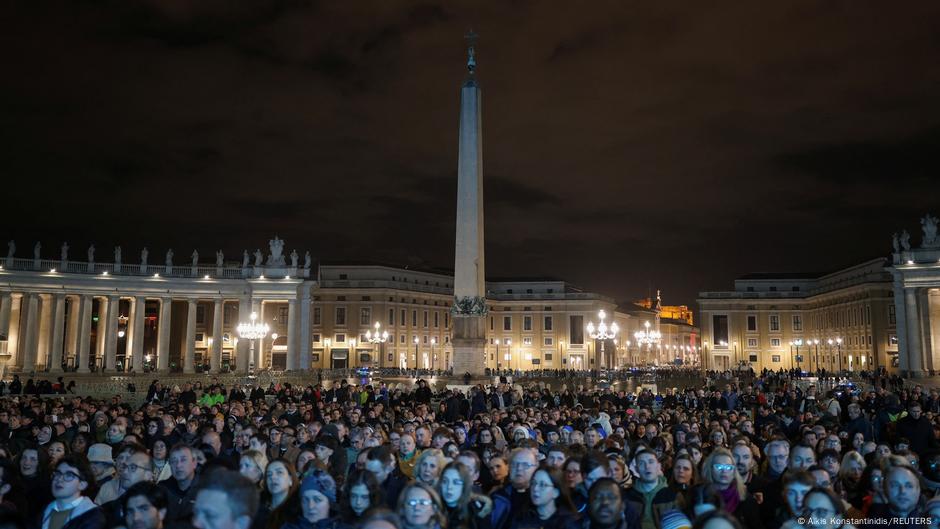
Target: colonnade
45,331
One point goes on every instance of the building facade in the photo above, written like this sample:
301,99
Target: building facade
845,320
63,315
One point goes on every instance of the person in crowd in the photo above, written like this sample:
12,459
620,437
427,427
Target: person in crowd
380,518
57,449
252,464
720,471
32,464
684,475
144,505
382,464
513,498
317,495
463,508
159,454
407,455
361,492
902,489
135,468
71,508
225,500
420,507
551,506
429,465
181,488
279,503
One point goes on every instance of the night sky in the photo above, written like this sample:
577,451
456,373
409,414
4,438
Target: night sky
629,147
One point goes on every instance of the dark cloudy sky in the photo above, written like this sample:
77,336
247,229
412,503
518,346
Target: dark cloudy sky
627,145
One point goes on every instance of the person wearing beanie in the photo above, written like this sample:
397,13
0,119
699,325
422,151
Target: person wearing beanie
317,503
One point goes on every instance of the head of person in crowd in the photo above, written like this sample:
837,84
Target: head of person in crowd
822,507
548,492
743,458
648,467
455,488
499,469
801,458
720,470
684,471
407,446
795,486
57,449
32,462
280,487
183,465
902,487
145,506
852,467
380,461
605,503
429,465
72,478
380,518
522,464
830,460
717,520
472,461
251,464
135,468
317,496
777,453
556,456
420,507
361,492
225,500
593,466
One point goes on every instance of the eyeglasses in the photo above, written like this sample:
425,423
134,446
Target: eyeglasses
132,467
722,467
65,476
421,502
522,466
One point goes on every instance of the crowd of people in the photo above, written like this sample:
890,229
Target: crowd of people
770,452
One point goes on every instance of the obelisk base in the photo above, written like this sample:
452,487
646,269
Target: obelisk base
469,345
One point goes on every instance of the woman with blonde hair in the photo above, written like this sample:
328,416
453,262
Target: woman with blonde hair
850,475
251,464
407,455
720,472
429,465
420,507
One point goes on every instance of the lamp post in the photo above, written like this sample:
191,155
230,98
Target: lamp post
352,351
327,343
839,349
416,352
798,342
603,333
737,361
647,337
377,339
252,330
433,343
704,357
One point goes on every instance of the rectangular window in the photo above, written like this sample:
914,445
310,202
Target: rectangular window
424,319
547,323
491,322
341,316
340,338
576,330
775,342
446,320
869,339
720,328
365,316
797,323
200,314
527,323
548,340
775,358
437,319
401,339
200,336
753,357
391,317
317,316
507,341
507,323
891,315
425,339
774,323
527,340
402,320
316,338
752,342
548,358
751,322
893,340
282,313
414,318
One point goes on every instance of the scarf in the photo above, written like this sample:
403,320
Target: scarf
731,498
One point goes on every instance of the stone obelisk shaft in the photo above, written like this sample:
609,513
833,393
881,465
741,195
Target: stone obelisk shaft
469,266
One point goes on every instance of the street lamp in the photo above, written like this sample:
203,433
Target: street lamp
416,352
433,343
648,336
815,343
602,333
377,339
252,330
797,343
508,354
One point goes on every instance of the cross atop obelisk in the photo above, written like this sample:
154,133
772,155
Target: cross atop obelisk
469,278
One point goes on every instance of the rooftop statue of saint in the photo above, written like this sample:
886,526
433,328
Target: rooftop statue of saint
906,241
929,225
276,258
169,257
219,258
11,249
65,251
143,256
37,250
91,253
245,259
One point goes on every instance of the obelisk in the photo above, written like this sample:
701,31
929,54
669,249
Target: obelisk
469,308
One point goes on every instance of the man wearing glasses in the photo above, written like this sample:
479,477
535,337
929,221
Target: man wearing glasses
514,497
70,507
136,467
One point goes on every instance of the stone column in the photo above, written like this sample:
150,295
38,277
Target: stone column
14,332
31,339
243,347
189,348
73,304
43,351
101,330
136,331
163,335
110,336
304,332
292,359
215,352
914,349
258,307
6,305
84,333
58,333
